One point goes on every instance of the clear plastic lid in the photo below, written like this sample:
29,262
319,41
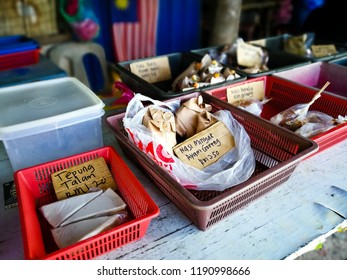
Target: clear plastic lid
46,105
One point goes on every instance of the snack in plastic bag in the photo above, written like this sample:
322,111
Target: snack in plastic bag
233,168
252,105
317,122
251,58
188,114
299,45
307,123
295,117
161,124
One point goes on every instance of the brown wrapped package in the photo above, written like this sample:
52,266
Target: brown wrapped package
205,120
162,125
187,117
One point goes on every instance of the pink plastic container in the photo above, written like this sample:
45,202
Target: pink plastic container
316,74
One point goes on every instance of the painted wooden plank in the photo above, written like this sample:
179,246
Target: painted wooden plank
281,224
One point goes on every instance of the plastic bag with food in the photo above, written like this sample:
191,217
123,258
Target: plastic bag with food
252,105
234,167
295,116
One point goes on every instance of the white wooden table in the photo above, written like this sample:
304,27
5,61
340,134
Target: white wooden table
282,224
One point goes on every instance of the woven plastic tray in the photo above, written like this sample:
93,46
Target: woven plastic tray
276,150
285,93
178,62
34,189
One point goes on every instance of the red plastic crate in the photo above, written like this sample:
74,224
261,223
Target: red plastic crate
19,59
277,152
285,93
34,189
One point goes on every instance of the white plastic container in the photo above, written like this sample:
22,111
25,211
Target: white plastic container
48,120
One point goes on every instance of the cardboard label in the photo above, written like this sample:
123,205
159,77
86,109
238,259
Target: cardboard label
249,90
205,147
323,50
259,42
152,70
80,178
248,55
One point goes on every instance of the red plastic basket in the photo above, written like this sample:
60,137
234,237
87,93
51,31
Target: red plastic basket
34,189
19,59
285,93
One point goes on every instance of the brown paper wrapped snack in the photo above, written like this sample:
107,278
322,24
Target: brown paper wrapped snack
205,120
162,125
187,116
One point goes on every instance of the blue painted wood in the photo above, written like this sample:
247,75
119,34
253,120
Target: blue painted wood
178,26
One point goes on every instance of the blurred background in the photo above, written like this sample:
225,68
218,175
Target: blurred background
155,27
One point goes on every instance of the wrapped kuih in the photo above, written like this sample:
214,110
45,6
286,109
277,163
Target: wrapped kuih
252,105
307,123
161,124
234,165
192,115
204,73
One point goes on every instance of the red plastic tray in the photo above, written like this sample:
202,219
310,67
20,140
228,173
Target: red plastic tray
34,189
285,93
19,59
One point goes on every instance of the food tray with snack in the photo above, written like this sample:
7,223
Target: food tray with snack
35,190
253,61
174,74
281,94
276,151
305,45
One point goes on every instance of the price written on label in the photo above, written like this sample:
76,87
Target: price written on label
80,178
323,50
245,91
205,147
249,55
152,70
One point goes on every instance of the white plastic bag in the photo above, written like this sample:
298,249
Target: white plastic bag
234,167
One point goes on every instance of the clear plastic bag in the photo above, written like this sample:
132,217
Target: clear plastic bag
295,116
233,168
252,105
317,122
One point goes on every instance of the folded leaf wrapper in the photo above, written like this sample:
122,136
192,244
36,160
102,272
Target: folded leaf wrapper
161,124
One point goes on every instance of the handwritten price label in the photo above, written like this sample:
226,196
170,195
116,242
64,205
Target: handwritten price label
152,70
245,91
80,178
323,50
248,55
205,147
